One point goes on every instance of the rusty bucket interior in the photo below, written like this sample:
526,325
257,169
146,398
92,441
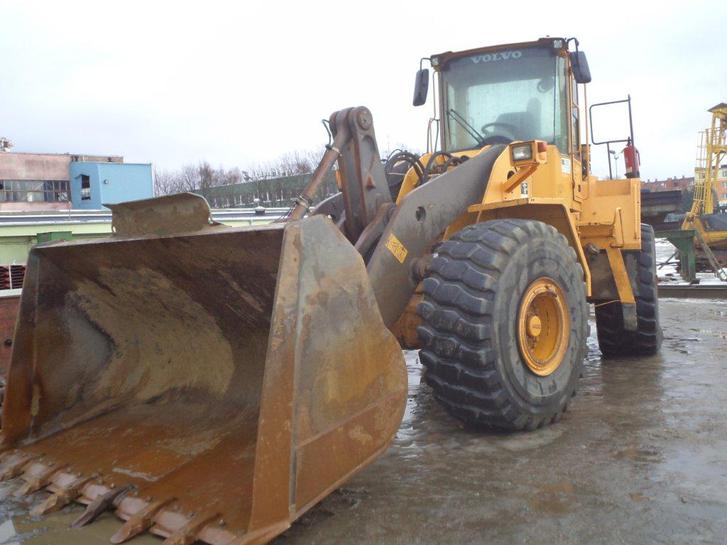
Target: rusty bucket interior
209,385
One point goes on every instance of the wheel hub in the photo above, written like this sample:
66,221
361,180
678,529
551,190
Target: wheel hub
543,326
535,326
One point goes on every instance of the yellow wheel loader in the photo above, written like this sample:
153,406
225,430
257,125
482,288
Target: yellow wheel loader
211,384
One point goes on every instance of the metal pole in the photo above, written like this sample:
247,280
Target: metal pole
608,150
631,122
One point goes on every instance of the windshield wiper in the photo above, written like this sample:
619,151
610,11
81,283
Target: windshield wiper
459,118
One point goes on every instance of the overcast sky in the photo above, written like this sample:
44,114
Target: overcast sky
237,83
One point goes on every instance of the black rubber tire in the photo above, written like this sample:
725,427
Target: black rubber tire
469,317
613,339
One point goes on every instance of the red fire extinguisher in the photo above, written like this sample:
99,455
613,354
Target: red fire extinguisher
632,160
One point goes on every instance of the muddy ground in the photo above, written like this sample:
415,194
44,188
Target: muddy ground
640,457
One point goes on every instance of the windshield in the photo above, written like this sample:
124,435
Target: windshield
497,97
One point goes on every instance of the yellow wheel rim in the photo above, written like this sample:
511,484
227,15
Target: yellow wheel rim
543,326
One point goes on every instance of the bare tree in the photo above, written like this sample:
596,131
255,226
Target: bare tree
289,164
165,182
230,176
188,179
270,182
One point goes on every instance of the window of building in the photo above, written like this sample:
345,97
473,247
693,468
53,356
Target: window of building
85,187
34,191
11,276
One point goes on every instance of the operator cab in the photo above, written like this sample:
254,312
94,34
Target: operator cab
502,94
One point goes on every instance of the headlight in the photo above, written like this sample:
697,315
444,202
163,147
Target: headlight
522,152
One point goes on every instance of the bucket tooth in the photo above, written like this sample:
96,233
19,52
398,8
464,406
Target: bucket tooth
14,465
188,534
213,530
101,504
92,491
140,521
62,493
37,475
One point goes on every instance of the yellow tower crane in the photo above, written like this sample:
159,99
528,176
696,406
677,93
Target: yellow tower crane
712,150
710,229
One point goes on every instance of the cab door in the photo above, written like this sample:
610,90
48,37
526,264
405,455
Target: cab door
575,161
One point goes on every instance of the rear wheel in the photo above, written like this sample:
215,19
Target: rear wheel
505,324
613,339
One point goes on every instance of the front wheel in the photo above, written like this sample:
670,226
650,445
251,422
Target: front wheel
505,323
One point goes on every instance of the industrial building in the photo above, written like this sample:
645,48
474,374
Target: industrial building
33,182
686,183
36,187
682,183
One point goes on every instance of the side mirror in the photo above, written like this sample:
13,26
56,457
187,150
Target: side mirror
579,63
421,86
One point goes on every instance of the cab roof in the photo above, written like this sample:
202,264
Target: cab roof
441,59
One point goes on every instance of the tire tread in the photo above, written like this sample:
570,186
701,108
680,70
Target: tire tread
457,334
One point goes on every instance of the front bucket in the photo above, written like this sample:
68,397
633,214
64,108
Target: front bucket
210,385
